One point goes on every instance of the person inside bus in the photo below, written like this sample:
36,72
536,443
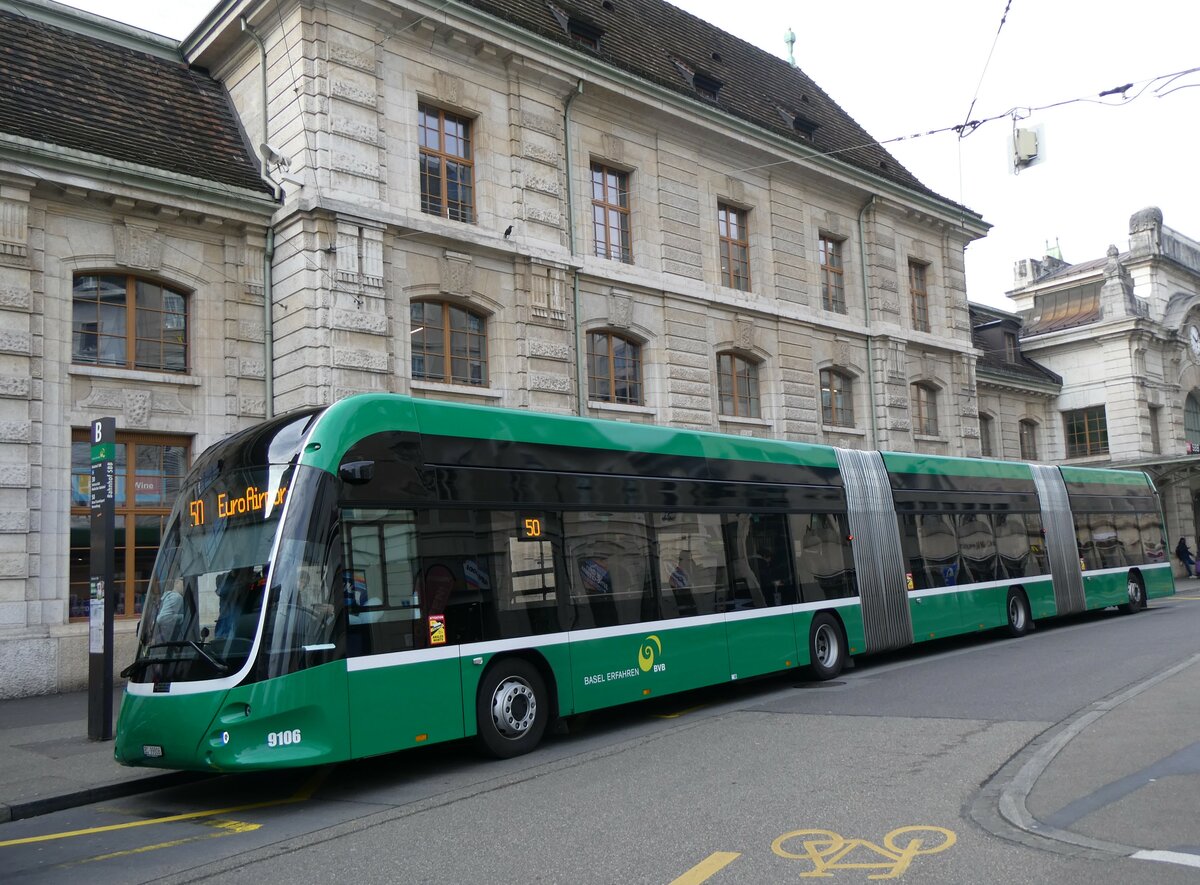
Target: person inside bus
232,594
176,621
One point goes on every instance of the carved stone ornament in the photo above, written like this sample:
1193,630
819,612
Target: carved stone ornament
743,334
620,310
139,247
137,407
456,273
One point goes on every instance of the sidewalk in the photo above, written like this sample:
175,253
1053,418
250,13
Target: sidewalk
47,762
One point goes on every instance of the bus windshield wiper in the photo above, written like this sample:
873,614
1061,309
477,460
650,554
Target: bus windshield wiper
218,665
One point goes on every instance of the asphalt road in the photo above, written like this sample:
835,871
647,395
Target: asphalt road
873,774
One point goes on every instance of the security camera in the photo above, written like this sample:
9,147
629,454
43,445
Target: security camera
274,157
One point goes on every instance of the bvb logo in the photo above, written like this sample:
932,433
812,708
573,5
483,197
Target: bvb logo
650,647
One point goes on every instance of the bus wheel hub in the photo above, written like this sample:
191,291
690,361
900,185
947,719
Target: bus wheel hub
514,707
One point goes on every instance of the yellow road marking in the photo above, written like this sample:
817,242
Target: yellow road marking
229,828
301,795
680,713
712,864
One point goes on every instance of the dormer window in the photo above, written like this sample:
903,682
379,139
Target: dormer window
579,29
705,84
798,122
1010,347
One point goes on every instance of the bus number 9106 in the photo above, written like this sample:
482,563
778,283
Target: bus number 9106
283,738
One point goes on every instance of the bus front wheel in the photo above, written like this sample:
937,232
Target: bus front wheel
826,647
511,708
1137,595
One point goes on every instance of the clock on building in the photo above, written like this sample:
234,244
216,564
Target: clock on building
1194,341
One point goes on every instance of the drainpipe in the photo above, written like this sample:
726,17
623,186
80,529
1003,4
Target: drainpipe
862,257
580,369
269,252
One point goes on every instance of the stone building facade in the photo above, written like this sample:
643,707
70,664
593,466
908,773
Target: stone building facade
615,210
1123,332
106,207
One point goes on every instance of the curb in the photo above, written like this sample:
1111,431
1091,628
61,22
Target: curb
101,793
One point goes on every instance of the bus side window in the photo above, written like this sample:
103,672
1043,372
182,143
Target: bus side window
1129,538
978,544
1154,544
608,557
910,544
1012,543
1037,543
757,545
691,563
825,562
939,550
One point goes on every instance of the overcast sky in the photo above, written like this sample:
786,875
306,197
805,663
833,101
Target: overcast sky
906,68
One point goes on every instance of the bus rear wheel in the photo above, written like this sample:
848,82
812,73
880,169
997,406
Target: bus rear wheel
1018,613
511,709
826,647
1137,595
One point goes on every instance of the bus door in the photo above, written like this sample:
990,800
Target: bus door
935,571
760,630
402,670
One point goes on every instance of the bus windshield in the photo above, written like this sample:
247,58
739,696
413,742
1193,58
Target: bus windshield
205,595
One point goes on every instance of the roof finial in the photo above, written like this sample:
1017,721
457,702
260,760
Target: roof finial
790,40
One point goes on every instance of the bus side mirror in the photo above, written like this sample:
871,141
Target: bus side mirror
357,472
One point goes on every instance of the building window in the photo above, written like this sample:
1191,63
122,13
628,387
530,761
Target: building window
986,429
919,293
449,343
837,399
1010,347
614,369
833,291
925,417
149,474
610,213
735,248
447,166
130,323
737,386
1027,431
1191,423
1086,432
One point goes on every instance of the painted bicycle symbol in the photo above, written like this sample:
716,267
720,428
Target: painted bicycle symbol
829,851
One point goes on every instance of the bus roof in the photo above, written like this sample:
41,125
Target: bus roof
347,421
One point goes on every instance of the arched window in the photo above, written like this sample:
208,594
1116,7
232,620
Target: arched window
737,386
449,343
987,429
925,411
614,369
837,398
128,322
1191,421
1028,433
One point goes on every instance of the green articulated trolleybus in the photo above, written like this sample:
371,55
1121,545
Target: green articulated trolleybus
387,572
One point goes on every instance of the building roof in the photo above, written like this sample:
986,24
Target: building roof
987,328
658,42
80,91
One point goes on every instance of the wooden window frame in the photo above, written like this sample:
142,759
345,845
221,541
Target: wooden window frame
734,234
732,368
833,274
1027,434
131,336
603,388
987,425
1011,350
918,289
839,385
448,331
457,210
616,215
925,409
1085,432
126,514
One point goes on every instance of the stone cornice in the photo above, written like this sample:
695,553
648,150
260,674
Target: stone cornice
64,165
